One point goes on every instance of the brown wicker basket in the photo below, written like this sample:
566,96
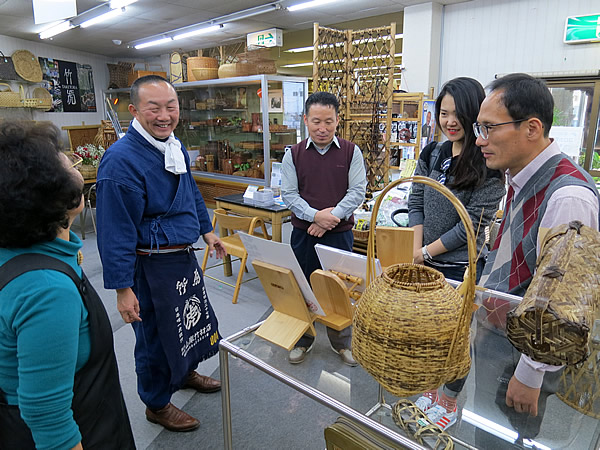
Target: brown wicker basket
580,385
201,62
9,99
552,324
394,336
87,171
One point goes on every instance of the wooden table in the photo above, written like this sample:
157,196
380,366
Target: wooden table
275,214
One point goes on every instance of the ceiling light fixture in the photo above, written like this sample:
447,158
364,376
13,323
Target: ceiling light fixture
103,17
192,30
197,32
312,4
153,43
56,29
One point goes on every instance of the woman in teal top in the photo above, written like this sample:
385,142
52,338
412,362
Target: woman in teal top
45,334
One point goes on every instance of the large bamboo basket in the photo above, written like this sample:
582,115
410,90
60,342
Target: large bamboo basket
201,62
411,328
552,324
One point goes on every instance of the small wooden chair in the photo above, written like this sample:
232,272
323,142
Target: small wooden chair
228,227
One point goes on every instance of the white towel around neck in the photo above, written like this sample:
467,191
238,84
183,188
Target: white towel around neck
171,148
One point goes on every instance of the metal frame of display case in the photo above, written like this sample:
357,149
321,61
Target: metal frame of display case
263,80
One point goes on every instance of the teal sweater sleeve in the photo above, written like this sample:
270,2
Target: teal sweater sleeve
50,324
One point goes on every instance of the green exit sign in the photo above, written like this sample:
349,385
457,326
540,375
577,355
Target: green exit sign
581,29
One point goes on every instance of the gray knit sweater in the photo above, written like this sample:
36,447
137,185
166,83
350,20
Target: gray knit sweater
439,218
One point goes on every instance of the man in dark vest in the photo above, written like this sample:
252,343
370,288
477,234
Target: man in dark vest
546,189
323,182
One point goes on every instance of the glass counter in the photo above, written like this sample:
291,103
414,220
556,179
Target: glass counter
484,422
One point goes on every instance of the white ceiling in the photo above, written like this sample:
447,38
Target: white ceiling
151,17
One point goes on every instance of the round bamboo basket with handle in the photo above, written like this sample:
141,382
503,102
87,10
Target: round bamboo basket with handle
411,328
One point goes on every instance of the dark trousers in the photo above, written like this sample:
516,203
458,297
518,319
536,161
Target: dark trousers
454,388
495,362
303,245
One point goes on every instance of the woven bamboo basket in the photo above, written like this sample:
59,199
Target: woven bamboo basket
43,98
205,73
580,385
200,62
87,171
552,324
411,328
27,66
8,98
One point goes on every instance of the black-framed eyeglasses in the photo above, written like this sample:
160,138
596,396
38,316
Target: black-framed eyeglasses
444,169
483,131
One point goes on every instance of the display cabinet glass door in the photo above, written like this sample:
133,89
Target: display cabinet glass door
575,121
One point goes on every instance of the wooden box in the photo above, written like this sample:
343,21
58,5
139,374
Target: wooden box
142,73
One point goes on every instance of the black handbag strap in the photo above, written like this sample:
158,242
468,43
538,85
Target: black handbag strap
28,262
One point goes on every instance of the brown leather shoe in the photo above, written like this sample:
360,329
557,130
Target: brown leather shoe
172,418
202,383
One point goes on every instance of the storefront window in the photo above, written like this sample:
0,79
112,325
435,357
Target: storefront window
575,123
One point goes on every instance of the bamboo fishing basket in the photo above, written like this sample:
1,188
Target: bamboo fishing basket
552,324
411,328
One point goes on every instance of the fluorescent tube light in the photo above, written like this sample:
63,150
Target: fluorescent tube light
298,65
300,49
152,43
102,17
313,4
56,29
197,32
114,4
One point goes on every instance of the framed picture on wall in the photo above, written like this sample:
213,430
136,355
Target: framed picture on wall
428,123
276,101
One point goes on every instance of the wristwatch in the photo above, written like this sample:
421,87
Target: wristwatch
426,255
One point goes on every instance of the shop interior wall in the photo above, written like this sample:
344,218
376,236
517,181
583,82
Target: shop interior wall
482,38
100,73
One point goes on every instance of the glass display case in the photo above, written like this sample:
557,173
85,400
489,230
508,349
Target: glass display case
234,128
565,420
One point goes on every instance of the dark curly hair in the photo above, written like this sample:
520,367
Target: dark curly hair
36,189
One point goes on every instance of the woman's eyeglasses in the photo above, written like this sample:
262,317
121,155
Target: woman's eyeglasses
444,169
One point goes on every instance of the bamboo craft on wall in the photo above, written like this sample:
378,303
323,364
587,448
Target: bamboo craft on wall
358,67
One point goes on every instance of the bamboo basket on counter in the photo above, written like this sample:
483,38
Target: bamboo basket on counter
552,324
393,336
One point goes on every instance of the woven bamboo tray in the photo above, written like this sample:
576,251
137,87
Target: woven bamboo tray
27,66
411,328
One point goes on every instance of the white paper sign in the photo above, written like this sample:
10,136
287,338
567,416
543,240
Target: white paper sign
282,255
569,140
